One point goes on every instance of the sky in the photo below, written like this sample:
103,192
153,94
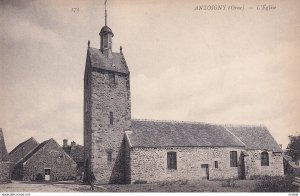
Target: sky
214,66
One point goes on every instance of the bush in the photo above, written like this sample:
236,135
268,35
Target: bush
39,177
166,183
275,184
140,182
183,182
229,183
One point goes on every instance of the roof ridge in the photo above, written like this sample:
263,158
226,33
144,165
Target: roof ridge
199,122
245,125
175,121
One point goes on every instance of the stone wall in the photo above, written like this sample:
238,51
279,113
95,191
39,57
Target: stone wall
253,164
5,170
3,150
106,97
50,156
87,121
150,164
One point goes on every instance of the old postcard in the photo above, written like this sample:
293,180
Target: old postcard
149,96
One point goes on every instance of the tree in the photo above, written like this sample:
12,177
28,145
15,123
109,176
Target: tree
293,148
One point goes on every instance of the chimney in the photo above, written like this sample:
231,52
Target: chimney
280,146
73,143
65,143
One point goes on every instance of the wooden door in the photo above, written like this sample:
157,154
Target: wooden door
205,171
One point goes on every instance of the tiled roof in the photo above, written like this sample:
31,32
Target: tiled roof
22,144
22,149
255,137
77,153
147,133
3,150
100,60
41,145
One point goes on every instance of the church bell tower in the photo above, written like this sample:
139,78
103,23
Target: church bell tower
107,110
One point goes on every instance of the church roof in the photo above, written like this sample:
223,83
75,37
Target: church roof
3,150
255,137
100,61
147,133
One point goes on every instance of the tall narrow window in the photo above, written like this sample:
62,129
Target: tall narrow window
171,160
105,41
109,156
216,164
112,79
233,158
264,159
111,118
109,41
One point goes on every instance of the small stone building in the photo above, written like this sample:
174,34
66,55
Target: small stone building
5,165
118,149
49,161
76,152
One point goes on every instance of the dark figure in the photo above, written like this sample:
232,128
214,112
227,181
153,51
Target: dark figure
91,180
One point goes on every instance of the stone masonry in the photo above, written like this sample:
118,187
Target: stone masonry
150,164
5,170
253,164
105,138
50,156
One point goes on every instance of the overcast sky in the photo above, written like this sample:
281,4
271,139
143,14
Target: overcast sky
227,67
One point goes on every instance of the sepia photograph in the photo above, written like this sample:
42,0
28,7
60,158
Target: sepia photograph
149,96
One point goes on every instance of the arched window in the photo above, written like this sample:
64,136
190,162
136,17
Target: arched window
264,159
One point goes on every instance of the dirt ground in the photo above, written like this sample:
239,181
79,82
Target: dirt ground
201,186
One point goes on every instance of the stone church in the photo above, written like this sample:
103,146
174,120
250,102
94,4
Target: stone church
118,149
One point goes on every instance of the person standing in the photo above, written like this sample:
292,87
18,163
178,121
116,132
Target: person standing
91,180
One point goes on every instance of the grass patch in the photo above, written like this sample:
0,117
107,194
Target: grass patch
274,184
140,182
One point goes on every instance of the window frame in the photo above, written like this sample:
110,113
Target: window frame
105,41
264,159
216,164
112,79
233,159
111,118
171,160
109,156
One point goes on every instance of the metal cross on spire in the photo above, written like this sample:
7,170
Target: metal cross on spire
105,13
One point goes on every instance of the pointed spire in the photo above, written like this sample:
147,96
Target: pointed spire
105,13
